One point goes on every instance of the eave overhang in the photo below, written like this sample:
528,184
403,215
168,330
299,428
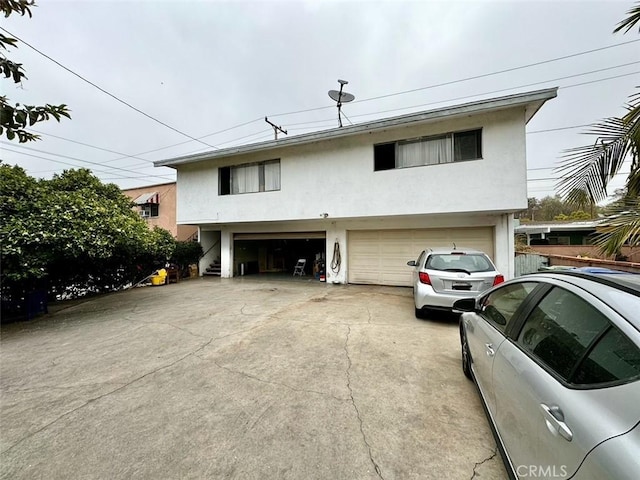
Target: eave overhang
531,101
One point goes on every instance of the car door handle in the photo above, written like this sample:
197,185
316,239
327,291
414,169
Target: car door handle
490,351
555,420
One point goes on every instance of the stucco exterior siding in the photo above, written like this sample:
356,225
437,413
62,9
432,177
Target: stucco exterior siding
337,177
331,182
167,211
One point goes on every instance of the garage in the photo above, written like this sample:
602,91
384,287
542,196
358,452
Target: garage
379,257
277,252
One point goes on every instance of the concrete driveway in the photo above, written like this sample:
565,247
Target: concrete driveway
240,379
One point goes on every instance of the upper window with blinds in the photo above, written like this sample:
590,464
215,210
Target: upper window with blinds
447,148
250,178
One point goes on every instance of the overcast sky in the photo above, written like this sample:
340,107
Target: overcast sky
205,67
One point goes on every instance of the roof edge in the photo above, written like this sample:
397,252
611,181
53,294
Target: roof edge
535,99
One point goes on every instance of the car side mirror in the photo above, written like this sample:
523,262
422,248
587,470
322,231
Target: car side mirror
411,263
465,305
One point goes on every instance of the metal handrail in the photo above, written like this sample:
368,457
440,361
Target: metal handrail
208,250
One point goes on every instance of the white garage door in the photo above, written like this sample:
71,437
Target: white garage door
380,257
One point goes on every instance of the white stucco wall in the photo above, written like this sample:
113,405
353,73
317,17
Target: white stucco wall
337,230
338,177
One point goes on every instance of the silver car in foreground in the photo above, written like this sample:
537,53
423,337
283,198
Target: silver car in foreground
556,359
442,276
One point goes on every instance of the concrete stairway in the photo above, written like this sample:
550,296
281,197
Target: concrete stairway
213,269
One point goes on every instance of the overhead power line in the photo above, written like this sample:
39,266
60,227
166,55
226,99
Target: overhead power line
199,139
69,158
124,156
464,97
105,91
122,177
475,77
546,179
403,108
558,129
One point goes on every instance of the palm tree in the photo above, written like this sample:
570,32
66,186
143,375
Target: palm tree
633,17
588,170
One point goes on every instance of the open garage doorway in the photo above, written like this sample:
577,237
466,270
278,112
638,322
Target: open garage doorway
278,253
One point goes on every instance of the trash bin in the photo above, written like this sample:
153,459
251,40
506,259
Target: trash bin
160,278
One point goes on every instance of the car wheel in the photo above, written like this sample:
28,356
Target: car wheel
466,356
419,313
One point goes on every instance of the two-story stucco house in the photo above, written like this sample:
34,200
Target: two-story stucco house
365,198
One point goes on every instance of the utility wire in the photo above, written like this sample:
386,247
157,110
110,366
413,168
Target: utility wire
565,57
484,75
478,95
345,116
507,89
498,91
170,146
105,91
458,98
67,157
546,179
122,177
359,115
124,156
558,129
130,169
199,139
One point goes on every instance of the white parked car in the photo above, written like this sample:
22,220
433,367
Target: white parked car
442,276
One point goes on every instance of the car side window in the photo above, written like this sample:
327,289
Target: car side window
614,358
560,329
420,259
499,306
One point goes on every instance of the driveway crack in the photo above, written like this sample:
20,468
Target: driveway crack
99,397
491,457
172,326
270,382
355,407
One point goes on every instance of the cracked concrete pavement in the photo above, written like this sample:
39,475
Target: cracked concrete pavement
240,379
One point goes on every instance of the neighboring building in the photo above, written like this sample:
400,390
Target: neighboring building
157,205
367,197
570,239
558,233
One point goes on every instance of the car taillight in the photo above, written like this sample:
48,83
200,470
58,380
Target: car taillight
498,280
424,278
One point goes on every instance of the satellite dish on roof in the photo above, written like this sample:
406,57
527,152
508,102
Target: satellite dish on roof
340,97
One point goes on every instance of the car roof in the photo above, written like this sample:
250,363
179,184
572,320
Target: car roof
624,281
603,286
449,250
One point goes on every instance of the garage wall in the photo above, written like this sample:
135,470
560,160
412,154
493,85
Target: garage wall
386,244
380,257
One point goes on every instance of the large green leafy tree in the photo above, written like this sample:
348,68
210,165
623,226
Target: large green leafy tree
556,208
14,119
72,235
588,170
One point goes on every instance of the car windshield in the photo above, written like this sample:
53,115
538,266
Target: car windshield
467,262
